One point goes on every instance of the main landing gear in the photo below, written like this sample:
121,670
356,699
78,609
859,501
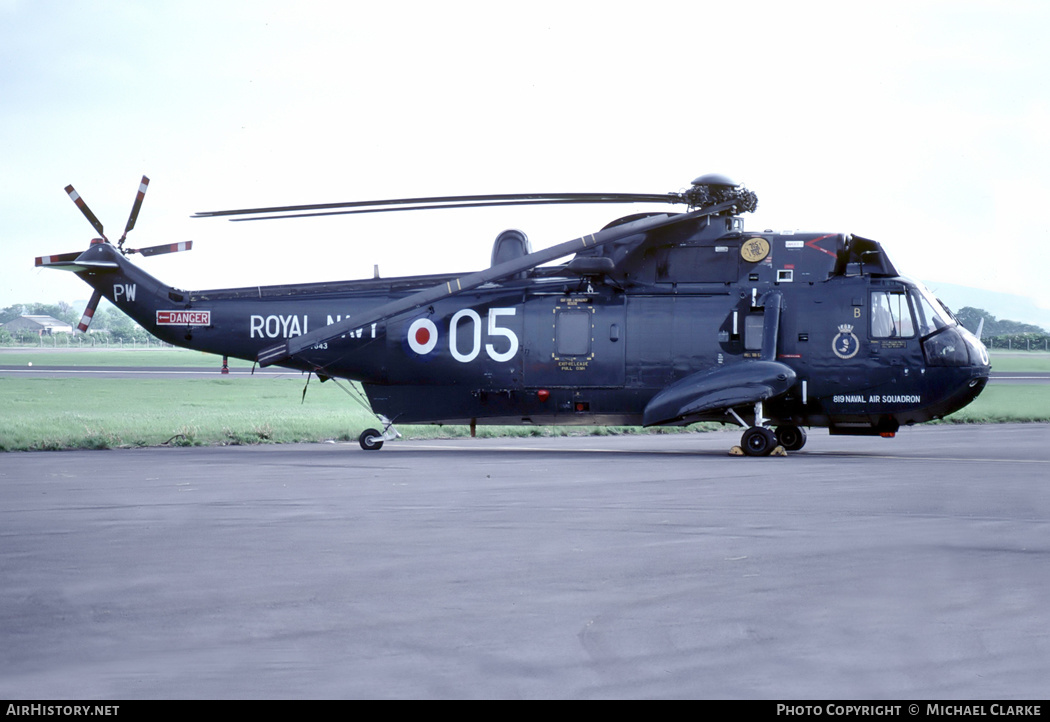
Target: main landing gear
760,440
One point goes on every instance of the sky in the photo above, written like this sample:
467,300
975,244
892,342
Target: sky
920,124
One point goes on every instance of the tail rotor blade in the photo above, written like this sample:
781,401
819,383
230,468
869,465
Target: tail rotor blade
57,258
95,223
89,312
143,184
165,248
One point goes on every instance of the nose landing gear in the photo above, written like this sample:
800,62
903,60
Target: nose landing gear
760,440
791,437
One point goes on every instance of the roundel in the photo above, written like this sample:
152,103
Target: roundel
422,336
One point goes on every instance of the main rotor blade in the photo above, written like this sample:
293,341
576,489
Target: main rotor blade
447,201
85,210
282,352
479,204
143,185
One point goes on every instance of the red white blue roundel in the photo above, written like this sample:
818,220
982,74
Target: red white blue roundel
422,336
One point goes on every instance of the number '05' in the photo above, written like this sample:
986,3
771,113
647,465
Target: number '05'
465,344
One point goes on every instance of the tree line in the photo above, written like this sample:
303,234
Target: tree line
1004,334
109,325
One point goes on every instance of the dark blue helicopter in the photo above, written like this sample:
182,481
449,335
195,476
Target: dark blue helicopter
657,319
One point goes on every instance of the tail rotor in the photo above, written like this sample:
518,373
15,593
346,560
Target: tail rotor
74,262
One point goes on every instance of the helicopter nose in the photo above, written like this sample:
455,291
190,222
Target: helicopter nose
977,349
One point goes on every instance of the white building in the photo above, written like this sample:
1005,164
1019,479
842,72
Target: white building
42,325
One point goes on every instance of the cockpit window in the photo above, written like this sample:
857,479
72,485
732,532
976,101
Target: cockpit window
891,315
932,315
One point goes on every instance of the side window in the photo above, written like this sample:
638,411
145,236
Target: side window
891,315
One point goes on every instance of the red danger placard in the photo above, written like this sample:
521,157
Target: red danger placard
184,318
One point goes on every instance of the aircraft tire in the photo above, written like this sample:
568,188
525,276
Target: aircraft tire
791,437
758,441
370,440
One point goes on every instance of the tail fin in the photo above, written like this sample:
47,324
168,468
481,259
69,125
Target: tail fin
72,262
112,276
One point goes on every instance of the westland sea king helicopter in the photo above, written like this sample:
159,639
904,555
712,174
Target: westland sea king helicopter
657,319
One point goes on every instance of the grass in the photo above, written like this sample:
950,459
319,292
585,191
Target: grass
1034,362
146,358
1007,403
108,413
49,414
97,413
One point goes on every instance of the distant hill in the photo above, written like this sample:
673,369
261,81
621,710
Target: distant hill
1004,306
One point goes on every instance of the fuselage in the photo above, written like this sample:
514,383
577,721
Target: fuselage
870,350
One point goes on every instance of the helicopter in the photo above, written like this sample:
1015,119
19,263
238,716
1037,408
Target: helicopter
657,319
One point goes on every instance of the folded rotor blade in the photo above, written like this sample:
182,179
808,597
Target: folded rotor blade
435,202
143,185
85,210
89,312
165,248
284,351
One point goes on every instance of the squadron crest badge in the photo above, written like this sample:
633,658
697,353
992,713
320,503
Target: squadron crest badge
754,249
845,344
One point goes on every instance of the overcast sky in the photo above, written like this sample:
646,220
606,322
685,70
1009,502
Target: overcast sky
923,125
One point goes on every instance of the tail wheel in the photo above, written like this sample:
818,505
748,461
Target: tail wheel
370,440
758,441
791,437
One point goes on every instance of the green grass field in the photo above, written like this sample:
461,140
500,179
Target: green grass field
38,413
1019,361
105,413
115,357
48,414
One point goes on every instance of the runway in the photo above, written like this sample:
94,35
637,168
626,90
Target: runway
582,567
